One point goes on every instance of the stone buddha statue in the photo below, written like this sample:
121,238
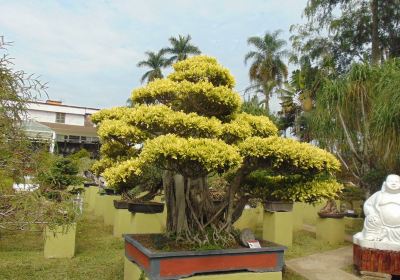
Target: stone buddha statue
382,218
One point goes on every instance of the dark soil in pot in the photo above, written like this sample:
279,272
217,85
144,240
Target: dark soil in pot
109,191
148,207
89,184
331,215
121,204
163,243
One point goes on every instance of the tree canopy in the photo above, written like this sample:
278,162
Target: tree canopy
181,48
190,125
343,32
267,70
357,116
154,61
18,157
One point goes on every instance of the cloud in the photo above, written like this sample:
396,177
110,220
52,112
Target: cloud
88,50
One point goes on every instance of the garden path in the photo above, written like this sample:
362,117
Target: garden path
325,266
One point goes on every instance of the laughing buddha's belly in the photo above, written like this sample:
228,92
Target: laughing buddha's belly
390,214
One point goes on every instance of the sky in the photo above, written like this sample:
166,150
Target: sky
87,50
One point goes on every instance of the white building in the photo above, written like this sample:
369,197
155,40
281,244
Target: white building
68,127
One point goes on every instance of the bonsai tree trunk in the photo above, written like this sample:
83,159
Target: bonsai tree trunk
190,209
180,204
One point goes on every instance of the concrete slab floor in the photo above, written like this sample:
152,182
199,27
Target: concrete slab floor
325,266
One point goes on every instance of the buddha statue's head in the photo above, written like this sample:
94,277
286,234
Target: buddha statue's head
392,183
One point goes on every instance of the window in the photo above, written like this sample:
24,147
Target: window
73,138
60,117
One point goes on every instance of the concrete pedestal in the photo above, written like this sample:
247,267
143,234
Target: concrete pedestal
86,196
122,222
330,230
109,209
99,205
305,213
133,272
91,193
60,243
310,212
135,223
298,213
147,223
251,218
278,227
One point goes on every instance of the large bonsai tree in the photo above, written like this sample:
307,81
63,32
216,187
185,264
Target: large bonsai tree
190,126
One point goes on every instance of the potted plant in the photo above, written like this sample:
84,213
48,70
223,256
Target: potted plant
330,225
330,210
137,190
136,198
190,126
350,195
57,185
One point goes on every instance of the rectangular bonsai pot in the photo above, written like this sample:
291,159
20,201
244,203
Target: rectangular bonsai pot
175,265
278,206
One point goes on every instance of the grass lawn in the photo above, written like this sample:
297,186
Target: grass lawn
98,254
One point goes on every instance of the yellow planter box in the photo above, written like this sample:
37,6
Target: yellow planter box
60,243
330,230
278,227
133,272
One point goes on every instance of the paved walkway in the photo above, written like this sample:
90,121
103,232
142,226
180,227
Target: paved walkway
324,266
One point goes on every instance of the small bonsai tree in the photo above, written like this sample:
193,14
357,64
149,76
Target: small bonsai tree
351,194
189,125
55,180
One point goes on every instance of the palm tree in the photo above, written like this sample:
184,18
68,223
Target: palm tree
267,70
154,61
181,48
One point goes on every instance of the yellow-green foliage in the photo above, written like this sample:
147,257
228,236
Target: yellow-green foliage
117,150
202,68
115,113
245,125
105,162
202,97
288,155
162,91
121,130
267,185
191,156
158,119
312,191
189,123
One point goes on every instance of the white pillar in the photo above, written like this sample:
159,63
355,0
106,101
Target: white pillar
53,143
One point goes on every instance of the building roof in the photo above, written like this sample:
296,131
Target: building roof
77,130
59,104
34,129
